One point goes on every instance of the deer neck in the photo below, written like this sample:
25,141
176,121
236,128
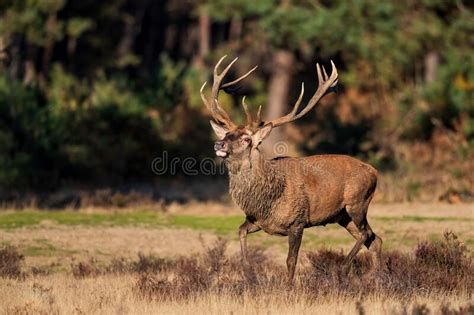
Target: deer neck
256,185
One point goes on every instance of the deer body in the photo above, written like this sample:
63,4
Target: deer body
284,196
274,194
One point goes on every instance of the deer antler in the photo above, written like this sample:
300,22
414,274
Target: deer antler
212,104
326,85
251,122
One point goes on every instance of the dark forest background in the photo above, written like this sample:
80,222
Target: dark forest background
92,91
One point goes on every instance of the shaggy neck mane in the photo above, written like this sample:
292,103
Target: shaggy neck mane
257,186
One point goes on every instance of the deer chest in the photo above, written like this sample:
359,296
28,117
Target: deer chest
256,196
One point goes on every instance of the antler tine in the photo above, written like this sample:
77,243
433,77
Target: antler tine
334,72
203,97
290,116
322,88
298,102
239,79
259,114
325,74
216,86
228,67
206,102
247,112
217,112
224,72
218,64
325,83
222,112
320,76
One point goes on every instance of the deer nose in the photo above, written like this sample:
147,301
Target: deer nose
220,145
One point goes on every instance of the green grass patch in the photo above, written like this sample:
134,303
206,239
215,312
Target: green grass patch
40,251
44,248
218,224
222,225
12,220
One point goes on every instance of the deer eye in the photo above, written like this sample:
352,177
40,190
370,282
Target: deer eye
245,139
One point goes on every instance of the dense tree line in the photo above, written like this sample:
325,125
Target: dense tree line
91,91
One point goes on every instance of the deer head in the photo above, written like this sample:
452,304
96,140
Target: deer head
238,142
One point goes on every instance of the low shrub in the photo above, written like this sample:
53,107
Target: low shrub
435,267
10,262
84,269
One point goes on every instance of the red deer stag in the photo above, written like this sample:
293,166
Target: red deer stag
284,196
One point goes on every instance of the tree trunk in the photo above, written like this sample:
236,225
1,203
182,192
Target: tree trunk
282,65
51,24
203,37
235,29
431,66
3,49
204,30
157,28
15,58
29,72
132,27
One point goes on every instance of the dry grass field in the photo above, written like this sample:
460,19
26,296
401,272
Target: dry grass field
115,294
186,260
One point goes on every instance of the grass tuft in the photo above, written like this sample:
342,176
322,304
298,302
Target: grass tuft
10,262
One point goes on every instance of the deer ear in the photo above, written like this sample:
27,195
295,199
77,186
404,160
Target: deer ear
219,130
262,133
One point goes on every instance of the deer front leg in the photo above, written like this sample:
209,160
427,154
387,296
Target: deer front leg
294,241
246,228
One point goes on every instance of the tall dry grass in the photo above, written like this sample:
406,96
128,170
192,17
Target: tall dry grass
438,277
440,268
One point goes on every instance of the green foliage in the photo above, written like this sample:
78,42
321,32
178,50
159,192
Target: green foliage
79,131
37,20
92,91
76,26
169,88
22,131
383,45
289,27
223,10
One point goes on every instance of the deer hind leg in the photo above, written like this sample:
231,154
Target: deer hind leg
360,229
354,221
374,244
361,237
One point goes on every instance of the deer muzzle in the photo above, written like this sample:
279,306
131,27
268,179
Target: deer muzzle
221,148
